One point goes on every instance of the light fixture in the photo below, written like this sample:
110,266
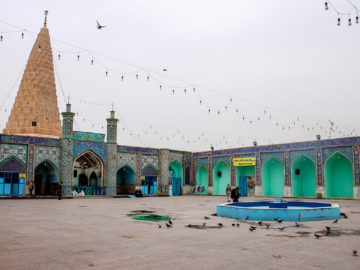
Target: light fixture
338,22
349,21
326,6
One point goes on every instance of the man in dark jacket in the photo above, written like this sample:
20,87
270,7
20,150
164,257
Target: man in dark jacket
235,194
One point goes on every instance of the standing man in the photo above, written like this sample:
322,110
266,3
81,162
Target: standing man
31,188
60,190
228,192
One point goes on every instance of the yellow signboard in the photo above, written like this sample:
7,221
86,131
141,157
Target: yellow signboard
244,161
142,177
22,175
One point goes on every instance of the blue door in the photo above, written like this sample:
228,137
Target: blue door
176,186
2,186
243,186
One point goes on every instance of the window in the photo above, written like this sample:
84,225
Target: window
33,123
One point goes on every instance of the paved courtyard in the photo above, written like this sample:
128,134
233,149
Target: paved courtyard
100,234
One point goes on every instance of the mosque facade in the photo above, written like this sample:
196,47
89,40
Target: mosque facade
35,147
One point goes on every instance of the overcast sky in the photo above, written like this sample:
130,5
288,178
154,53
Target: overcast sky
275,71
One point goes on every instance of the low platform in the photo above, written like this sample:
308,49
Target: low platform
289,211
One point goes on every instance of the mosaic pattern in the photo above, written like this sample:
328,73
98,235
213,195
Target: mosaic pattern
257,168
111,169
356,161
346,150
150,160
29,140
282,147
210,168
287,180
66,167
111,130
201,162
310,153
122,148
187,159
68,123
30,166
175,156
13,150
81,146
43,153
138,169
319,167
232,171
124,159
278,155
216,160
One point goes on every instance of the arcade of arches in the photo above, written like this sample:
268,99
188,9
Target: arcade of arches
88,170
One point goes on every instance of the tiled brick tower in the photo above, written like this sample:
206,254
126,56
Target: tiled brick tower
35,111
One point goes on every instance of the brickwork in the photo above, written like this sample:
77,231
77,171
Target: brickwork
35,111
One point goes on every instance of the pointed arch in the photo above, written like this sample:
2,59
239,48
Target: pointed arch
84,164
12,164
176,170
272,174
338,176
303,177
149,170
221,176
125,180
46,178
202,179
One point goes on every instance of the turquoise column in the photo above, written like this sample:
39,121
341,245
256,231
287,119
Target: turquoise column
111,154
66,163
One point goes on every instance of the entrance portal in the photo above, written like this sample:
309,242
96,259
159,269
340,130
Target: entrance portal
202,180
303,177
125,181
46,179
221,176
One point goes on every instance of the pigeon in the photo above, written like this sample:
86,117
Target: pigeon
189,225
99,27
164,69
246,218
233,224
159,226
170,222
238,225
251,229
276,219
335,221
220,224
328,228
281,228
297,224
204,224
168,225
279,220
267,226
259,222
317,235
354,252
205,217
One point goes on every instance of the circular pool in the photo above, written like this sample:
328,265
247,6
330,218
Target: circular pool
281,209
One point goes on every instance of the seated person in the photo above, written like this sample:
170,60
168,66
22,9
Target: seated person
138,193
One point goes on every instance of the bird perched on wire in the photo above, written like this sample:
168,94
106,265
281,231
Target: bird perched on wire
354,252
335,221
99,26
168,225
317,235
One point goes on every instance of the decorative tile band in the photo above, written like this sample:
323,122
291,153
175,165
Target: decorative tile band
30,140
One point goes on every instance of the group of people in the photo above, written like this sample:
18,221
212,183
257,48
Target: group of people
58,189
233,194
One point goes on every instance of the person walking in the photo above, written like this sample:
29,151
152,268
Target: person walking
235,194
228,192
60,190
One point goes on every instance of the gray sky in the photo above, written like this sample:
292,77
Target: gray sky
284,62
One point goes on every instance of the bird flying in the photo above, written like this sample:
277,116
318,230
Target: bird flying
99,26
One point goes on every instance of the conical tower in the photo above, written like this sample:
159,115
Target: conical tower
35,111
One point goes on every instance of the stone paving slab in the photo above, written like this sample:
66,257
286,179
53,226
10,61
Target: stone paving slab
100,234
